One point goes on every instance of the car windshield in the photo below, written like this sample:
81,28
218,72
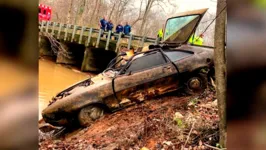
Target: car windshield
179,29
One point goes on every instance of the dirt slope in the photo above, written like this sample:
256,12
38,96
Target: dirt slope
155,124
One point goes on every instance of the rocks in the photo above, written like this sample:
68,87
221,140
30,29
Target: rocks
178,115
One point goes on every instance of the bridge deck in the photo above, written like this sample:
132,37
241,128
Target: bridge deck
90,36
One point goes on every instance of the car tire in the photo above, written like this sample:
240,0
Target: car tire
89,114
196,84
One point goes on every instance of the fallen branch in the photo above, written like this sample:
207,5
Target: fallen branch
213,84
189,135
214,147
56,46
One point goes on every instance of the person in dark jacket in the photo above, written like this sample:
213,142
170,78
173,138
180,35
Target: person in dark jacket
103,24
109,27
119,28
127,29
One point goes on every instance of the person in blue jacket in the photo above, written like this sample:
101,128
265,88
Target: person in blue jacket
119,28
127,29
109,27
103,24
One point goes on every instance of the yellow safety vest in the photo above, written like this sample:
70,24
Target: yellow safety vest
196,41
160,33
260,4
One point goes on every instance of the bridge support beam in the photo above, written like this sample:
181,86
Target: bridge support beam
96,59
45,46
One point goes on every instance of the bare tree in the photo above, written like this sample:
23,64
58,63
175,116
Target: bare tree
80,13
220,68
139,15
148,8
146,12
88,12
69,12
114,3
96,8
121,9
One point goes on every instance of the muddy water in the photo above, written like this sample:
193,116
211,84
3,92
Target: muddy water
53,78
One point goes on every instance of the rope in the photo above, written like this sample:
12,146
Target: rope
212,21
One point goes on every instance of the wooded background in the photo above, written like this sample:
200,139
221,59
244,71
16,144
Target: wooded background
145,16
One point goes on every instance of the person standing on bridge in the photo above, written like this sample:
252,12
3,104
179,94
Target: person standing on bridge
127,29
119,28
109,27
103,24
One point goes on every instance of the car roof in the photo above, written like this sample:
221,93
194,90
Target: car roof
194,48
191,12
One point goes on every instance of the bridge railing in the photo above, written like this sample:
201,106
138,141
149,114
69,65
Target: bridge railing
45,26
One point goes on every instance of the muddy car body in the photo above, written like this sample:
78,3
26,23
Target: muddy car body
162,69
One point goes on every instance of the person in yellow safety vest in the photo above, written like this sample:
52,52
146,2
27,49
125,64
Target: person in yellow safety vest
196,40
160,34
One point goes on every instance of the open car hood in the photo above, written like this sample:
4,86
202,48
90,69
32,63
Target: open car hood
182,26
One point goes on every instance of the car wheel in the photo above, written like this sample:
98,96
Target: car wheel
89,114
196,84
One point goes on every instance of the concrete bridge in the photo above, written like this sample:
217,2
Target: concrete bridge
83,46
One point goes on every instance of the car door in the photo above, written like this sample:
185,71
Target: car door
147,76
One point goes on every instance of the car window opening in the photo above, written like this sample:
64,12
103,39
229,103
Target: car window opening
148,60
177,55
170,61
126,66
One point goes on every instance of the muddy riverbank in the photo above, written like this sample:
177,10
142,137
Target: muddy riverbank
161,123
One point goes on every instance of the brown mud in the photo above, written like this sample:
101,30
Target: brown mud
161,123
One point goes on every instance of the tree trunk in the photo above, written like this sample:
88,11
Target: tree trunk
98,15
112,10
147,10
57,18
93,12
117,17
69,12
220,69
139,17
81,13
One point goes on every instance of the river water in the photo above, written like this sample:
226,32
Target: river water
53,78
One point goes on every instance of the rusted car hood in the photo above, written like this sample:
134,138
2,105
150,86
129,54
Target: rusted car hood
100,78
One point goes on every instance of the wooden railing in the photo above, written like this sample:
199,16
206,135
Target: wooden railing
45,26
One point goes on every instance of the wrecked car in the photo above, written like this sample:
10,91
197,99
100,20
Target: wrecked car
167,67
